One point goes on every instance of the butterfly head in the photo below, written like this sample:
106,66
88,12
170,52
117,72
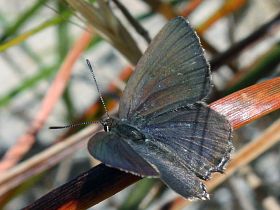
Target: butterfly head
107,124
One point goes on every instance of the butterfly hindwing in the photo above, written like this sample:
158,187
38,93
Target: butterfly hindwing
172,70
197,134
114,152
171,168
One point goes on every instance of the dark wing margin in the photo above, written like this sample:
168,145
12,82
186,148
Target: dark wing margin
114,152
200,136
172,70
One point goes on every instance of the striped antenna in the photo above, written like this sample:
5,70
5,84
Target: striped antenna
100,96
103,122
73,125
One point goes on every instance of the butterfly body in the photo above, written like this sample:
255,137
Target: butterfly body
124,130
164,129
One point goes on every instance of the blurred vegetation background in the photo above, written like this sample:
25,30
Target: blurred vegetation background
44,81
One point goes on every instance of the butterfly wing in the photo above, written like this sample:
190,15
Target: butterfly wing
186,144
171,168
172,70
115,152
197,134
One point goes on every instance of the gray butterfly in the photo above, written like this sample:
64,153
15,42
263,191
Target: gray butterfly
163,128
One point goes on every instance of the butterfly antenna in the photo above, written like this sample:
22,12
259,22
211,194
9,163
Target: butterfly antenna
73,125
100,96
104,123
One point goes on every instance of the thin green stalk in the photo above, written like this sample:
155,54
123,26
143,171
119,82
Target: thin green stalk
24,36
63,45
23,18
28,83
24,47
137,194
261,69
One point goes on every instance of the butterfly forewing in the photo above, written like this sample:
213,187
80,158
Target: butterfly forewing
172,70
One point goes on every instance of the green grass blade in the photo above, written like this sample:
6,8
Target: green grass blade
26,84
23,18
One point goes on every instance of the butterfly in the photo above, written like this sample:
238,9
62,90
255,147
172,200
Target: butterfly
163,128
